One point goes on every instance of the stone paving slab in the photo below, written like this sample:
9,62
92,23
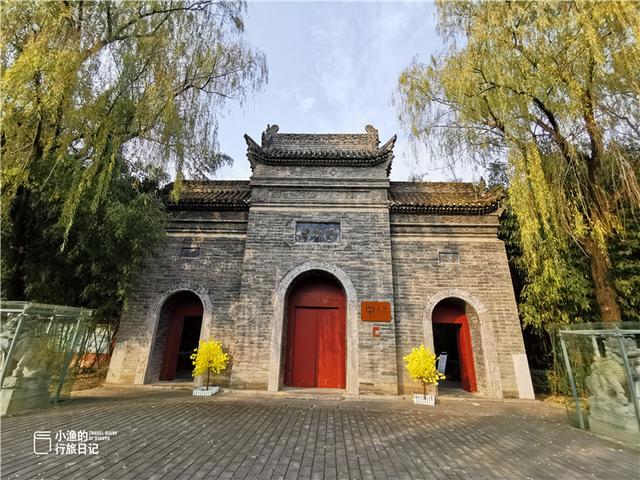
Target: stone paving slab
173,435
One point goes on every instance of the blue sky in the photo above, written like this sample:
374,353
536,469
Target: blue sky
333,68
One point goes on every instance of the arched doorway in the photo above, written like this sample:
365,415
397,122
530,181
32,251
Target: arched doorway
451,335
178,334
316,333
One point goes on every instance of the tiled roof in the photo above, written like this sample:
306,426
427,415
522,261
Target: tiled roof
453,198
447,198
347,149
211,195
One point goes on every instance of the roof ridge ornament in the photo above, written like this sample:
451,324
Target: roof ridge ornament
371,130
353,150
268,135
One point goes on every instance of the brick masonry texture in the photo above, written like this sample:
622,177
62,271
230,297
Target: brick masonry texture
240,262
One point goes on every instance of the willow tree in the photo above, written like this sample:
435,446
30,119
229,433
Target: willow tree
83,81
553,89
93,90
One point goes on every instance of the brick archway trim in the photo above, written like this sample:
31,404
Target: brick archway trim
276,370
154,317
487,336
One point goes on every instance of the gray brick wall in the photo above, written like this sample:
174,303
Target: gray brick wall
214,275
316,195
409,260
480,270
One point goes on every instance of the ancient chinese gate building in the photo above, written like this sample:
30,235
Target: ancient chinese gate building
320,272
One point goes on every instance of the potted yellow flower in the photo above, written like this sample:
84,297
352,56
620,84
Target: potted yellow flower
208,358
421,365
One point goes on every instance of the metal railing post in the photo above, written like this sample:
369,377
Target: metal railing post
596,349
572,382
627,367
67,360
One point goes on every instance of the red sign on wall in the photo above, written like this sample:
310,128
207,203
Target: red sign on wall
376,311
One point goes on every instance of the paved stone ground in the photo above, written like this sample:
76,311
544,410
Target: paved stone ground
172,435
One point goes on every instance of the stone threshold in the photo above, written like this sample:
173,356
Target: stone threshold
331,394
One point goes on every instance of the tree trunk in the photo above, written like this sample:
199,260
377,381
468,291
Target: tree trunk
16,246
19,218
602,283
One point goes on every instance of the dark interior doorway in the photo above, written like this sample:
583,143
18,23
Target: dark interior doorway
183,334
445,341
188,342
451,334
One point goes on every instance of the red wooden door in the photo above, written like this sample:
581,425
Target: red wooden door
304,347
186,307
451,314
316,340
330,348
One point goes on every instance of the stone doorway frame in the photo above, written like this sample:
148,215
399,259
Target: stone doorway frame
153,320
276,364
493,384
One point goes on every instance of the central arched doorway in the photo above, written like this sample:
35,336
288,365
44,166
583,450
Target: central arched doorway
316,333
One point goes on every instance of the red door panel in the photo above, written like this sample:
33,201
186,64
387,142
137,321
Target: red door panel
331,345
174,335
453,315
467,369
185,308
304,347
316,348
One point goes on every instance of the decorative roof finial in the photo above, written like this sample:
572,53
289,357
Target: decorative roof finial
479,188
374,133
268,134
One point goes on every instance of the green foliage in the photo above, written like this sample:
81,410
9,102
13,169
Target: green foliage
553,90
540,313
625,261
99,100
104,253
561,294
541,316
86,82
573,299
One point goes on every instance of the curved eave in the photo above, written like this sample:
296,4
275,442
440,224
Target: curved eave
319,158
207,206
446,209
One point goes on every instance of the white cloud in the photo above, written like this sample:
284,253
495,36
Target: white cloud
305,104
333,68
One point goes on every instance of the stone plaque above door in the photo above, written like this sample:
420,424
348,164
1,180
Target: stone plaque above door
317,232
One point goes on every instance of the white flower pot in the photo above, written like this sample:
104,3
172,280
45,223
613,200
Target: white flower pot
205,392
424,399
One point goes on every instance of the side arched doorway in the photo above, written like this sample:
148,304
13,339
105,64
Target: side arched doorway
177,335
316,333
451,335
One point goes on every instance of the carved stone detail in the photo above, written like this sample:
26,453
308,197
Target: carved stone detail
608,384
269,135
